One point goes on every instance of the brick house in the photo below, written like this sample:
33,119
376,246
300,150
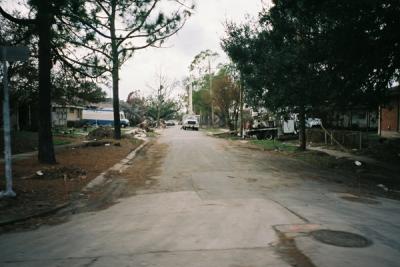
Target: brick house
389,121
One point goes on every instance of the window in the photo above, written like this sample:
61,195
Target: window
71,110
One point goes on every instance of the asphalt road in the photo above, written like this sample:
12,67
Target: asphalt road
216,204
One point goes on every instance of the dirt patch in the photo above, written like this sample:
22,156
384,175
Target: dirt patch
140,175
40,187
287,249
56,172
386,150
368,179
145,168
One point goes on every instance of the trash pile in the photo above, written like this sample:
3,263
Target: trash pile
139,133
101,133
145,125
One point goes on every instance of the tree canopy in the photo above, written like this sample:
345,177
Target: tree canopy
301,55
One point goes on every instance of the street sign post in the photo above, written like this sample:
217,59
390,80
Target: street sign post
10,54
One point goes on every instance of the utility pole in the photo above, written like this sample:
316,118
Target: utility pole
190,108
211,93
159,103
241,109
9,54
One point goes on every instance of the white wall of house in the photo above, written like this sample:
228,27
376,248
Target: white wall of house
74,114
62,114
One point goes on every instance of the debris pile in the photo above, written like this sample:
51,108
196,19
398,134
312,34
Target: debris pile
139,133
101,133
145,125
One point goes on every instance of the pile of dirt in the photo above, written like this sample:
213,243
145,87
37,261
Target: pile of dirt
101,133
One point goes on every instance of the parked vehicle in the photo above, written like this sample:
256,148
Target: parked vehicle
170,123
190,122
103,117
279,128
272,129
313,122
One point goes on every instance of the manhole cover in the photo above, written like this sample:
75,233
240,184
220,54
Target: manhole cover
340,239
361,200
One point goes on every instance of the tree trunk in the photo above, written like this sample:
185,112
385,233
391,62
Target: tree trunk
241,109
302,124
46,149
115,74
158,116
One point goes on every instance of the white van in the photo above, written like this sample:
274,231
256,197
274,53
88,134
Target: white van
103,117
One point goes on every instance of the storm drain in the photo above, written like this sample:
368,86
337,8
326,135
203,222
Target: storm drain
340,238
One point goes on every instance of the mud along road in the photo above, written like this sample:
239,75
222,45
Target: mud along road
215,204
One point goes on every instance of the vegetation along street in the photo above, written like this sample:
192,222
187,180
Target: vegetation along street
200,133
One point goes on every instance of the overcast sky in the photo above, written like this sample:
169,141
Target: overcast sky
203,31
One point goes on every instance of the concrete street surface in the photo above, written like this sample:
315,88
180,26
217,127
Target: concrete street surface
217,205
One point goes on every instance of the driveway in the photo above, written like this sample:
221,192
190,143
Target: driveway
215,204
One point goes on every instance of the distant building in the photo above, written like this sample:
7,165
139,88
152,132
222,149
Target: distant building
355,118
390,114
65,115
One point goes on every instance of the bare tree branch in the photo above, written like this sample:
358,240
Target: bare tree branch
137,28
152,42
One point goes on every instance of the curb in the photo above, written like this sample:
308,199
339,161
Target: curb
120,167
36,215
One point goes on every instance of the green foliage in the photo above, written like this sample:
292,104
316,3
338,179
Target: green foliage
167,109
138,108
217,90
202,101
305,55
226,97
67,90
134,108
318,52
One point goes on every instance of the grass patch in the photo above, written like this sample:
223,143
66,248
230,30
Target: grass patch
60,142
274,145
135,141
151,134
72,132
